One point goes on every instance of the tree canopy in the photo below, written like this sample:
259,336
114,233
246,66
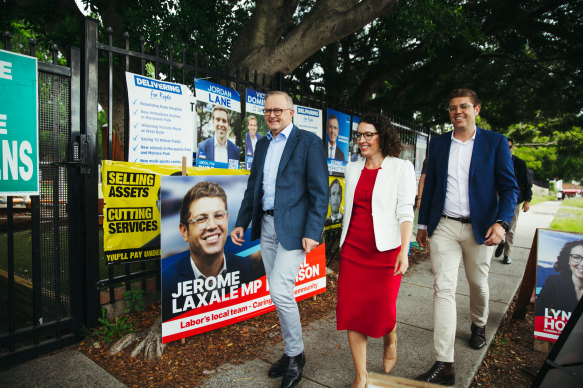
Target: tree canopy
523,57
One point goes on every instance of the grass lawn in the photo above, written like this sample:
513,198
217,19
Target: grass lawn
541,198
569,218
573,202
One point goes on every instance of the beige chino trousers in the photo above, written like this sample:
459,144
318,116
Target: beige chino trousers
452,242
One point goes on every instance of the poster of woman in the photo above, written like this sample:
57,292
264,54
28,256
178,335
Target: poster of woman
559,283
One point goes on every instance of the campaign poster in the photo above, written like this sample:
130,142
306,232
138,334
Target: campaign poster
218,113
131,212
309,119
207,281
559,275
337,134
254,125
420,154
19,133
335,203
408,152
161,121
354,152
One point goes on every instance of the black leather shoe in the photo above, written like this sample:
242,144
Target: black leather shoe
506,260
478,338
499,249
440,373
278,369
293,375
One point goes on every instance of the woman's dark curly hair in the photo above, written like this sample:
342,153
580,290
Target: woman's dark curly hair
389,140
562,264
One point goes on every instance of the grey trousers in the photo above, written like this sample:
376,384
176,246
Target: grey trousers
282,267
511,229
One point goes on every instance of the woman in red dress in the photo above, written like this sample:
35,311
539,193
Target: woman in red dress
378,222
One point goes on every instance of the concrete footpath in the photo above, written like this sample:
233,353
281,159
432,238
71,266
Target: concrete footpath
329,363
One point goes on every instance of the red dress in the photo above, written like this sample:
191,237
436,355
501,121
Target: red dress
367,288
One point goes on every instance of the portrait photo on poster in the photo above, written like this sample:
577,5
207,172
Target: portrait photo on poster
559,283
335,203
218,125
353,145
200,265
254,125
337,137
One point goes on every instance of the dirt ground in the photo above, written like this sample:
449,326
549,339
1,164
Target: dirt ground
185,365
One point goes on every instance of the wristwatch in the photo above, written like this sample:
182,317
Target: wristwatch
504,224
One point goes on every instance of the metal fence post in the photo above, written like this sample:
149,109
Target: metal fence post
88,148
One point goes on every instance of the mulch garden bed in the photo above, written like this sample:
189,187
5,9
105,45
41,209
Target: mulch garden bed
187,364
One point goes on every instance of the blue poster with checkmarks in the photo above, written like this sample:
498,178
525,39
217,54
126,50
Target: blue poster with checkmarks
161,117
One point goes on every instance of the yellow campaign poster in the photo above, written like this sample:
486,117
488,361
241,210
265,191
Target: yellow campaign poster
131,193
335,203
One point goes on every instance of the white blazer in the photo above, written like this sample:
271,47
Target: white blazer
392,199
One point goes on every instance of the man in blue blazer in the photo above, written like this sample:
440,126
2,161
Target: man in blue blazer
286,201
468,201
217,147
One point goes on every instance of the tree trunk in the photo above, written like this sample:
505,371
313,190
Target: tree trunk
265,45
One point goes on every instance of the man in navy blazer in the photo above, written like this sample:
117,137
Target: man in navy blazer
208,269
286,201
217,147
468,201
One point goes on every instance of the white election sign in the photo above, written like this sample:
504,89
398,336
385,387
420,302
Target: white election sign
309,119
161,121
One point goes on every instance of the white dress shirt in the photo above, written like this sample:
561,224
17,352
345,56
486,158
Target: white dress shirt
331,151
457,195
221,152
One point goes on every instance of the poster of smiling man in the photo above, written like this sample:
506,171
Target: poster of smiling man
254,126
218,112
335,203
559,281
207,281
337,133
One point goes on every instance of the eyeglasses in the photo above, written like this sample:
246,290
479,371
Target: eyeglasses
276,111
203,220
367,135
576,258
462,107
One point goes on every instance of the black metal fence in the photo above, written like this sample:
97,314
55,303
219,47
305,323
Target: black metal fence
40,298
46,306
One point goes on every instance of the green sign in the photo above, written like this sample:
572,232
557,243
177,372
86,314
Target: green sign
18,125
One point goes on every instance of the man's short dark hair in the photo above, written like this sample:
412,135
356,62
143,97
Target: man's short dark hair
461,92
220,107
332,117
200,190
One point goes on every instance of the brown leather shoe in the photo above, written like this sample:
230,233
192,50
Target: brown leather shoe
440,373
478,338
